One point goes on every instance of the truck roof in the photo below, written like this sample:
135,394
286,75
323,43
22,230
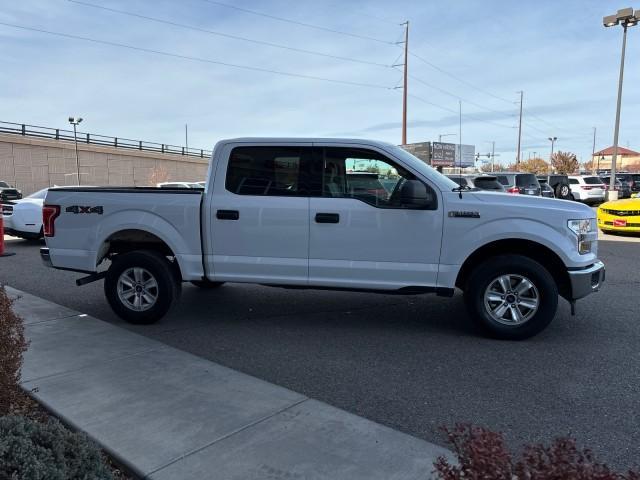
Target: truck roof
280,140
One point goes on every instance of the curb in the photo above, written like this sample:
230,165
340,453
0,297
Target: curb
163,413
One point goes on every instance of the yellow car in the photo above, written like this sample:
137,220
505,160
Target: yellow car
620,216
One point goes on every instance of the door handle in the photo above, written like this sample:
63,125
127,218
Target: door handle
227,214
327,218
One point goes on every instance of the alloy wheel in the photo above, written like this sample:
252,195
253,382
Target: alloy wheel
511,299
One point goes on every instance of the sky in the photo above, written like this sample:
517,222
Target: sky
479,53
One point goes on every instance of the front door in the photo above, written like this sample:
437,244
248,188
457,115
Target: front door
260,216
360,234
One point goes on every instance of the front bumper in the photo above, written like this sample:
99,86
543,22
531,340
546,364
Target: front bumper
46,258
586,280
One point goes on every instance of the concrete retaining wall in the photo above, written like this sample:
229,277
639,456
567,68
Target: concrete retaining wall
33,163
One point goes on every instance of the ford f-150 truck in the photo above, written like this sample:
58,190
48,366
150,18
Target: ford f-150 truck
297,213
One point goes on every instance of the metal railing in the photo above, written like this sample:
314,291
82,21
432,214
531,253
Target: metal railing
95,139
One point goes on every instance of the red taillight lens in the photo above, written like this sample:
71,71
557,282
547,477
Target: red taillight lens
585,187
49,215
515,190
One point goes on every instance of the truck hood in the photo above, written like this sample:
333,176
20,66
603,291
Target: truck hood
531,206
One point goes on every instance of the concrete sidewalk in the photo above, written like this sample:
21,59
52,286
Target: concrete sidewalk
167,414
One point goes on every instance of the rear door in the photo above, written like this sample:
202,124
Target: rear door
259,225
360,237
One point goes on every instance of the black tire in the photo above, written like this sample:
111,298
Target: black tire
206,284
563,191
166,292
519,266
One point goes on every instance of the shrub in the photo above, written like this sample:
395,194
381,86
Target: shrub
483,454
13,345
47,451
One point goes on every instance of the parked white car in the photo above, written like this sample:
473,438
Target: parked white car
587,188
23,218
287,212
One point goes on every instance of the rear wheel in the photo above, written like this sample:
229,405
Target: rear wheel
141,286
511,297
563,191
206,284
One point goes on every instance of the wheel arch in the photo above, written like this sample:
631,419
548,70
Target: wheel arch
528,248
132,239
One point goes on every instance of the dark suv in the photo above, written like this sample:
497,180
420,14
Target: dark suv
631,180
560,185
517,182
7,192
481,182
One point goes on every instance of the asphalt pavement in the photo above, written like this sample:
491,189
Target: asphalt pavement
412,363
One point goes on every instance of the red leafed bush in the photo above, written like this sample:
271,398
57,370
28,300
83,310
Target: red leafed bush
483,455
12,345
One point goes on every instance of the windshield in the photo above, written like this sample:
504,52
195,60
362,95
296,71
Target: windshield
420,166
40,194
4,185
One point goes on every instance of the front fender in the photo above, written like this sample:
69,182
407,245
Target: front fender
462,240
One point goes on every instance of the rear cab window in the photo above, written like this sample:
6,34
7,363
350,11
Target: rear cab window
268,171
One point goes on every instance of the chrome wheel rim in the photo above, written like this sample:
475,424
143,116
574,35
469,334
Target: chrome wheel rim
511,299
137,289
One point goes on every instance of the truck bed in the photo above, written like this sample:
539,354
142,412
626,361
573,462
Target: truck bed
92,217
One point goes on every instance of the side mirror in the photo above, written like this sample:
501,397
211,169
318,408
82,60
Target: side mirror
414,194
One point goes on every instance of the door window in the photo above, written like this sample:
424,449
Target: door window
363,175
268,171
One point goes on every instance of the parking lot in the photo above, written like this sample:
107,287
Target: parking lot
411,362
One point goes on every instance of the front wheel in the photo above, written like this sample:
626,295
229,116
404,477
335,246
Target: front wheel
511,297
141,286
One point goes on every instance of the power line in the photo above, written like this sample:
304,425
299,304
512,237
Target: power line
461,80
457,97
199,59
455,112
227,35
296,22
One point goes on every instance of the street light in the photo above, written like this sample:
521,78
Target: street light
552,140
445,135
626,18
75,122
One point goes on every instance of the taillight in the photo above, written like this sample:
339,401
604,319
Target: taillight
515,190
49,215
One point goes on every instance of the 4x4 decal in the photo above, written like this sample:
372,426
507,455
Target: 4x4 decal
77,209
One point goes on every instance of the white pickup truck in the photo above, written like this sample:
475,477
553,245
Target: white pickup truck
329,214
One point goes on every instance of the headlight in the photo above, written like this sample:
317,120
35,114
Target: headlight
587,233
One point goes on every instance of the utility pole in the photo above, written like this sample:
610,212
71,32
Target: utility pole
519,129
593,151
186,138
493,156
75,121
460,137
404,87
553,141
626,18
